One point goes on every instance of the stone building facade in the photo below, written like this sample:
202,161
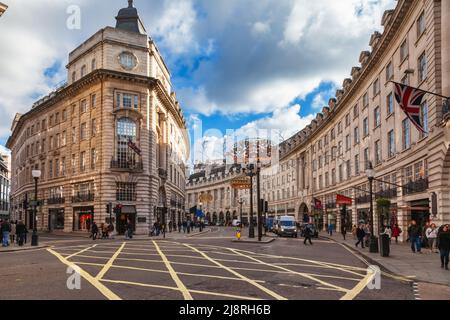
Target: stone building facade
115,133
364,125
4,186
215,180
3,8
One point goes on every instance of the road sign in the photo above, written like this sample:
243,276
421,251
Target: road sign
241,183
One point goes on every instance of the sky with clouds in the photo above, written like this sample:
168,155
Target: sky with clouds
236,64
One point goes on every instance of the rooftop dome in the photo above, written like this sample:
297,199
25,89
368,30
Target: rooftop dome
128,20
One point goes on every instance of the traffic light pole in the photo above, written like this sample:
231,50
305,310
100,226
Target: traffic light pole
258,196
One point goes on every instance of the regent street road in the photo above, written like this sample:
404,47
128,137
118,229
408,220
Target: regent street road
207,266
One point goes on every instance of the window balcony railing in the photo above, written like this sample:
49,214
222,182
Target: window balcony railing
127,165
417,186
89,197
331,205
387,194
56,200
363,199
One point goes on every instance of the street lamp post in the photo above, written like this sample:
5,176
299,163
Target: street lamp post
241,202
373,239
258,198
34,238
250,172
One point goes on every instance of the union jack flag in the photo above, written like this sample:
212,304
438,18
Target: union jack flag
410,100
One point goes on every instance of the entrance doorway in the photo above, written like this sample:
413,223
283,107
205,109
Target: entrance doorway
83,218
55,219
420,212
127,216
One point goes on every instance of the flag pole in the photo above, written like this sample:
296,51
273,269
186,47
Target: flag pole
429,92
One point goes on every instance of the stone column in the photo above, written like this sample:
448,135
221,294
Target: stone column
445,45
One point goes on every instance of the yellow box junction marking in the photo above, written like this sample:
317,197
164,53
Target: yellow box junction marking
268,291
95,282
108,265
173,274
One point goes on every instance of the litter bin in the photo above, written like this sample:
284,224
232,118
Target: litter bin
384,245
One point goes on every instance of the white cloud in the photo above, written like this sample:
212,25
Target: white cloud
257,61
175,26
259,28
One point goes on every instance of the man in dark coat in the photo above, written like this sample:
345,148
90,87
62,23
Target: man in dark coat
444,246
21,231
308,234
94,231
360,234
415,234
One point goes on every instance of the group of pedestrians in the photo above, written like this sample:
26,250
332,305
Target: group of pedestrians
430,236
13,233
106,231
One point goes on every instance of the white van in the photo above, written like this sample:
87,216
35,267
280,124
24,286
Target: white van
286,226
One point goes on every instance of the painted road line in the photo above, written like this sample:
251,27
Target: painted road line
353,293
268,291
173,274
217,294
305,275
79,252
181,273
386,274
99,286
108,265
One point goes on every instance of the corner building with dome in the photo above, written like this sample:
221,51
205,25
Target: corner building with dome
114,133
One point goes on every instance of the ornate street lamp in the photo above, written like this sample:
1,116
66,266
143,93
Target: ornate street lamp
370,172
34,238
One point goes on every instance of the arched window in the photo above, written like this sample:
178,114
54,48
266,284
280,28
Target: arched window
126,132
83,71
74,76
93,65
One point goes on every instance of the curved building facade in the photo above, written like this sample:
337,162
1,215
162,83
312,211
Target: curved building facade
115,133
364,125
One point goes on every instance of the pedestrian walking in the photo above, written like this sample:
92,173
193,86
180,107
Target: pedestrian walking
444,246
368,234
344,231
21,231
179,226
12,235
129,231
388,231
111,230
307,233
170,226
5,230
189,226
396,232
415,233
94,231
184,226
360,234
354,230
330,229
431,234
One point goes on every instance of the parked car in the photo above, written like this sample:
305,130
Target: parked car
286,226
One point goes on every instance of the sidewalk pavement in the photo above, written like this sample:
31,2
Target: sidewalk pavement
15,247
424,267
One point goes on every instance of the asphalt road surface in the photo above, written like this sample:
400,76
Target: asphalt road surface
205,267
